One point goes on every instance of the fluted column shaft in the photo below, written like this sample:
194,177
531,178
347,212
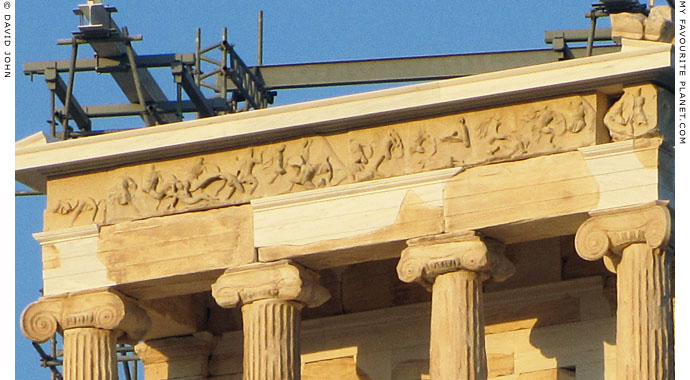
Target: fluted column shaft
457,317
453,267
645,327
271,340
90,354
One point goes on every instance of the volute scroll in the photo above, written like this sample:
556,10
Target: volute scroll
427,257
607,233
106,310
281,280
40,320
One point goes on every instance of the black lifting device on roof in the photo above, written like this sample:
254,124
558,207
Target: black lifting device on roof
237,87
116,56
559,39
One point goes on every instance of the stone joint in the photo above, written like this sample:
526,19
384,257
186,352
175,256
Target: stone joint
425,258
281,280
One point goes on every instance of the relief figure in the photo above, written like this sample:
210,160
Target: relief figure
77,208
313,173
361,155
549,123
627,118
169,190
393,148
202,175
424,144
460,135
425,148
579,119
276,164
246,173
367,158
122,193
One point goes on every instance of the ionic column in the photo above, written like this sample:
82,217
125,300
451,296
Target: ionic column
453,267
631,241
92,324
272,296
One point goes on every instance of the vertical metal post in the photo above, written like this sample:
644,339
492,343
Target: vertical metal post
53,353
125,364
592,30
197,74
260,40
70,88
179,100
53,132
197,63
136,370
135,76
224,69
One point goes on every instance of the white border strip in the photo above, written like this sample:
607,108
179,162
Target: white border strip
7,79
682,152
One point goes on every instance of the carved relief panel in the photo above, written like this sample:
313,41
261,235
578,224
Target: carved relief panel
237,176
642,111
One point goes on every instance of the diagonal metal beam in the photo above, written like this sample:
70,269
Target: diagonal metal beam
75,112
151,92
250,86
184,78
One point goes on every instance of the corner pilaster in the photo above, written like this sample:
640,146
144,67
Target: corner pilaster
453,267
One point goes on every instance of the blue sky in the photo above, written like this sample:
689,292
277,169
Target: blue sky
294,32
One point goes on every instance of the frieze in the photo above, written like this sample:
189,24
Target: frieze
235,177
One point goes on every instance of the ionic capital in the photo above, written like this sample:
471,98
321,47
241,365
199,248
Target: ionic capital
280,280
107,310
607,233
427,257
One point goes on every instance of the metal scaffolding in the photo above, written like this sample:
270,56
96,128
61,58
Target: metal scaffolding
53,359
